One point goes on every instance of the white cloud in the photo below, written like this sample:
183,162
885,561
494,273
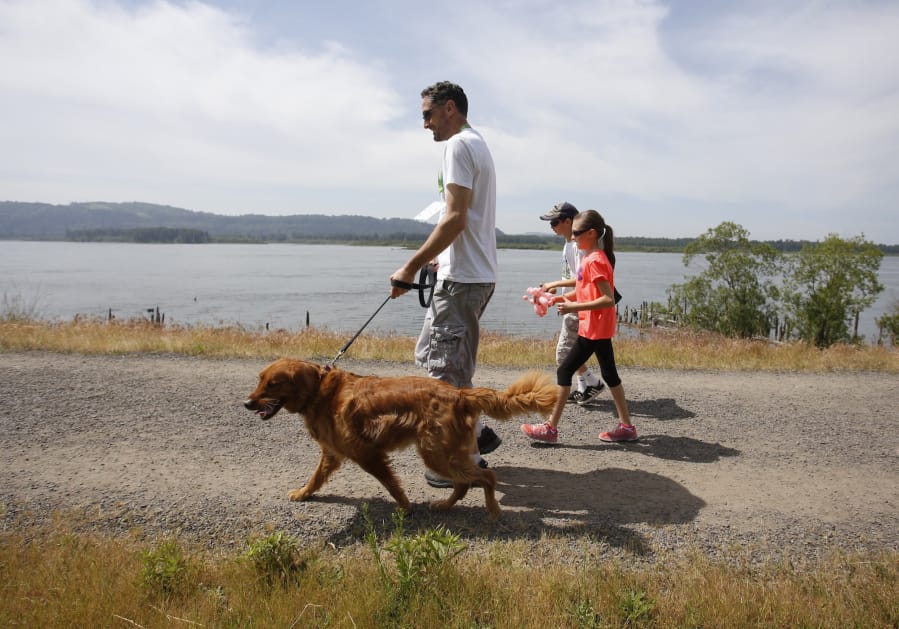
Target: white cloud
173,95
782,110
762,113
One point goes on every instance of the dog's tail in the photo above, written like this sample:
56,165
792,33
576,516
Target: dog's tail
534,392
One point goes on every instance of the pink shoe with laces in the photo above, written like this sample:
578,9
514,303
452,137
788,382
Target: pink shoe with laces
541,432
622,433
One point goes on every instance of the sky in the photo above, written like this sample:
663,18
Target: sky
669,118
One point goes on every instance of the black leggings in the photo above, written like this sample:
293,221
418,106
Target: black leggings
580,354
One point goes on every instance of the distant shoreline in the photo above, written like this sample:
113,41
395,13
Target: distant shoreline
631,244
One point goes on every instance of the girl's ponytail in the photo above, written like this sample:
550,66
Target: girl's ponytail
608,244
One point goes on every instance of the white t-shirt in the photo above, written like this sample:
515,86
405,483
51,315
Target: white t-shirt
571,258
471,258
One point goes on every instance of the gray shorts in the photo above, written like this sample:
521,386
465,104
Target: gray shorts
567,336
448,344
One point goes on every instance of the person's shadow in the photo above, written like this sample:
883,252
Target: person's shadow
684,449
662,408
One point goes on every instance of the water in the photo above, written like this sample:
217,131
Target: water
278,284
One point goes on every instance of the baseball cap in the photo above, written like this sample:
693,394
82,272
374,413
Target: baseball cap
560,210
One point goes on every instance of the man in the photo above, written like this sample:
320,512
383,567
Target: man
560,219
463,242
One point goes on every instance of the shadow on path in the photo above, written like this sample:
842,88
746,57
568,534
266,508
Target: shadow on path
599,504
684,449
662,408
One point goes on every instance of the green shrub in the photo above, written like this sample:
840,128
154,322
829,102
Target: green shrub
276,557
165,568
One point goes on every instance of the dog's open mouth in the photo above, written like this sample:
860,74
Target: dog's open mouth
268,410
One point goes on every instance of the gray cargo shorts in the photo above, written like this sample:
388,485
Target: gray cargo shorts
448,344
567,336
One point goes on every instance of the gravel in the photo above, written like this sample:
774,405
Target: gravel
745,466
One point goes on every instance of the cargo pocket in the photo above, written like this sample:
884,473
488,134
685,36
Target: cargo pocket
447,359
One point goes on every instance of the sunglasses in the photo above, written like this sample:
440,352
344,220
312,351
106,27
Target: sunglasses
578,232
555,222
426,114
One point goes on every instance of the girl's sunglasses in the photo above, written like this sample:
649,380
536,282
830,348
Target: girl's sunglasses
578,232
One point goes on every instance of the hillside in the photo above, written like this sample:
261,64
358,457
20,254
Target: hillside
43,221
147,222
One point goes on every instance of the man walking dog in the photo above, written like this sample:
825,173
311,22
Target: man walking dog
463,242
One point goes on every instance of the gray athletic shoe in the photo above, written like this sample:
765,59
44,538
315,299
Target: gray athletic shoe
436,480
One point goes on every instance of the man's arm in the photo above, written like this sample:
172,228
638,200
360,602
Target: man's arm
458,200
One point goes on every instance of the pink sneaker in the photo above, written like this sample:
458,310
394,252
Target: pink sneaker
622,433
541,432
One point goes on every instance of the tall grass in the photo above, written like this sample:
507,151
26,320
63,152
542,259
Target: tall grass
55,579
652,349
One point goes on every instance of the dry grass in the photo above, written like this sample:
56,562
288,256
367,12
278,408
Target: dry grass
653,349
54,579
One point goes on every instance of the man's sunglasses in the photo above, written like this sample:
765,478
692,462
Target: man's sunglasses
555,222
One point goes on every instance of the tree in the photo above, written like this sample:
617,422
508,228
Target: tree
889,323
829,284
735,295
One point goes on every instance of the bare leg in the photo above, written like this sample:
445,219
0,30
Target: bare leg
624,415
556,415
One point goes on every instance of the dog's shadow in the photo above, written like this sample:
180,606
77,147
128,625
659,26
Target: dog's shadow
601,504
684,449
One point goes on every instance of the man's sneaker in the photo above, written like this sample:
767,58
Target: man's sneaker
591,393
576,397
436,480
541,432
622,433
488,441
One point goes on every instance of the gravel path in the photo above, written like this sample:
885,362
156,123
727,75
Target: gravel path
754,465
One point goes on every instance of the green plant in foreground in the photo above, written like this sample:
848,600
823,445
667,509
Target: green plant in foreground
276,557
635,605
585,615
165,568
418,559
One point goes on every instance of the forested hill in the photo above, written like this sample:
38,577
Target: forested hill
147,222
100,221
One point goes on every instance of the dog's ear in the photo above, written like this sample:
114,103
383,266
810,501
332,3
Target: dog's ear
303,379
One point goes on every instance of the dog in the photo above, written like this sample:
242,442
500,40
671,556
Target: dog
363,418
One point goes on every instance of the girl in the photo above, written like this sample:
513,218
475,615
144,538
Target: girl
594,302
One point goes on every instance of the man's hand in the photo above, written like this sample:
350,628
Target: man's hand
402,275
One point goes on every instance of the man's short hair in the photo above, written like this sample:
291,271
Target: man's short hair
441,92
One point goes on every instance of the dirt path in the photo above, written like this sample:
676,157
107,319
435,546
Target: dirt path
759,464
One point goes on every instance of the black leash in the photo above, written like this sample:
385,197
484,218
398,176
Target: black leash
427,280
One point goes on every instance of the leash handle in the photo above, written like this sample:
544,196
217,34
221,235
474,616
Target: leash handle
427,279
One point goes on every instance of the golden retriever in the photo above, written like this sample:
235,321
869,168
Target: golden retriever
363,418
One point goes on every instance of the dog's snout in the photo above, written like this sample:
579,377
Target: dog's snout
248,404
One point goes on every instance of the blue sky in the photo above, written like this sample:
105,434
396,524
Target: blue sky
667,117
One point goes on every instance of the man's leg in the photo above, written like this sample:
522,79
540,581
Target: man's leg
451,351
